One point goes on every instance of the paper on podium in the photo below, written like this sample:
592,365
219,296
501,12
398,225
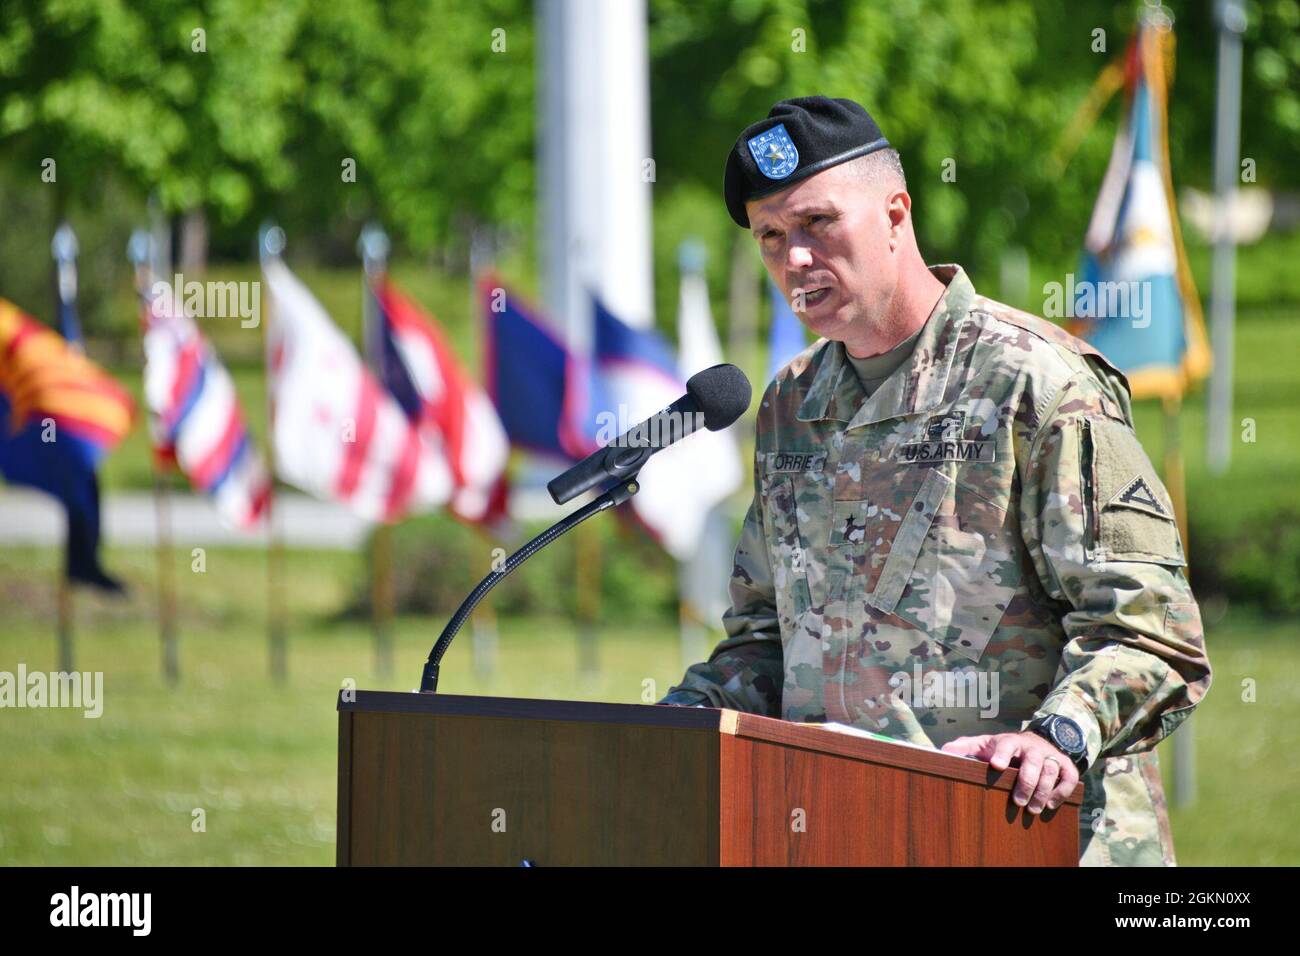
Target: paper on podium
869,735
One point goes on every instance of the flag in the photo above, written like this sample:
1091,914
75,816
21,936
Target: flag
630,375
787,337
195,419
710,462
59,415
1136,302
527,372
336,432
422,374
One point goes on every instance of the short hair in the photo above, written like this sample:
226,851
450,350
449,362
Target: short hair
881,167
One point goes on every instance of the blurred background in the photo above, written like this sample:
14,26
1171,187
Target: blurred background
479,136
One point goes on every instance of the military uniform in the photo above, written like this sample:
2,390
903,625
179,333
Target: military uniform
987,514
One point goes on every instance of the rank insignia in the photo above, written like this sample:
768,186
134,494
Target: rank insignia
1137,494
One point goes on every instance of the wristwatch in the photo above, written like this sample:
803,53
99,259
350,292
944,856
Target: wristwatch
1065,735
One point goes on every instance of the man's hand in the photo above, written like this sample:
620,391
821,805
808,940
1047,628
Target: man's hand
1047,776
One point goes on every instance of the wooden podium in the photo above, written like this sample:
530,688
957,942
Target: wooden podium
491,781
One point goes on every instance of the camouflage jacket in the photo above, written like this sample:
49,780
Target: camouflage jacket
980,542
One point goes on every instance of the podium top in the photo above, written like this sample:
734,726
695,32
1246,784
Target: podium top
735,723
521,708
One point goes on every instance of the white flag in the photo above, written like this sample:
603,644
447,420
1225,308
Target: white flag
336,433
696,474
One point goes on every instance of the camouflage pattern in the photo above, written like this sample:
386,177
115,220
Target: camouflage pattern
987,514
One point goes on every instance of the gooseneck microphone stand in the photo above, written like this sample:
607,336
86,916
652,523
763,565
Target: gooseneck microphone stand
615,496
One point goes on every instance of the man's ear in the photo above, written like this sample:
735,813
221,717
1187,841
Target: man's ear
899,208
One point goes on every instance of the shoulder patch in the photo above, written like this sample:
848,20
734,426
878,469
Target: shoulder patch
1130,510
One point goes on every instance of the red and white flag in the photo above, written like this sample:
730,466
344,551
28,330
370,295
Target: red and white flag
337,432
438,396
194,413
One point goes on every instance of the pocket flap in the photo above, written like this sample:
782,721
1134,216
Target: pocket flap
908,542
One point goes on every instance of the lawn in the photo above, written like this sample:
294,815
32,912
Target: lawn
259,759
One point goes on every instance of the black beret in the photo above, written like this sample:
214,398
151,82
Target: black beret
798,138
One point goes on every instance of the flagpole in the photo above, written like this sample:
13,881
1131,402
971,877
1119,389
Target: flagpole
373,247
166,579
270,243
1175,481
138,251
276,639
1160,20
587,605
1231,17
382,597
1175,473
63,247
64,625
484,631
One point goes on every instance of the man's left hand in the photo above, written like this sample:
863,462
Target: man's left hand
1047,776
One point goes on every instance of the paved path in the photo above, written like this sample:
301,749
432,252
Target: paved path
129,518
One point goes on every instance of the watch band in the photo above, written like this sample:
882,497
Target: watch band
1043,726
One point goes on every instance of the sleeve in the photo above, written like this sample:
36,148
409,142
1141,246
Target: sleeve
1100,528
746,670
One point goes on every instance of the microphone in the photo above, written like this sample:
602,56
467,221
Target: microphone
714,398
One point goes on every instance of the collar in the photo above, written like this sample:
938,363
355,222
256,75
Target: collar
916,386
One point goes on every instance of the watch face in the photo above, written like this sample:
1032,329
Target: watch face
1068,735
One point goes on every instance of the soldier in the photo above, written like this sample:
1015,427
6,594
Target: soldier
955,536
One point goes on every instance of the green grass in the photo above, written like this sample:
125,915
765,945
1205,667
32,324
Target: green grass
259,758
1247,775
1267,391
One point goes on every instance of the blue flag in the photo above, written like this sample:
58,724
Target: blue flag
1136,302
66,470
629,371
631,375
527,371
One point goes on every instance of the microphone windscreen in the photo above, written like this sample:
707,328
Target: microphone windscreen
722,393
